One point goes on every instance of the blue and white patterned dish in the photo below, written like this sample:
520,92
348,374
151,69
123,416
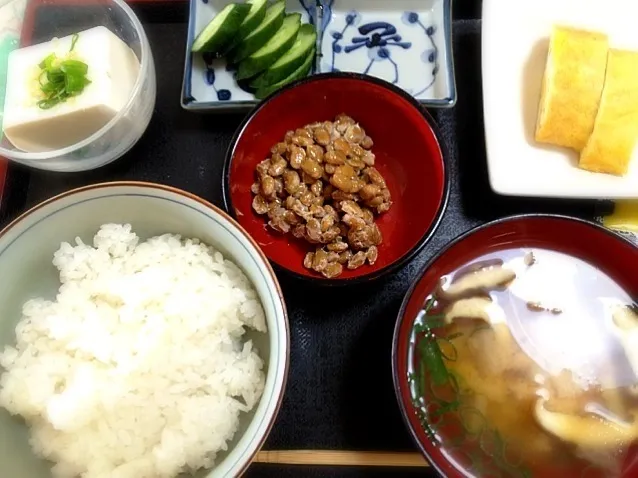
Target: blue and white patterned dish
208,85
405,42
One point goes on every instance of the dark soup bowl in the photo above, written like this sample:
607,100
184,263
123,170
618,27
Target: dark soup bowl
380,163
515,353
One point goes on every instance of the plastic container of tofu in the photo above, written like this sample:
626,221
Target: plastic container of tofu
77,82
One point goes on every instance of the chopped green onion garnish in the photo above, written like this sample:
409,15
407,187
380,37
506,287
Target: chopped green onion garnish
439,400
61,78
431,355
47,62
74,40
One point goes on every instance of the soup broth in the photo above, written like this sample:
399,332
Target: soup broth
524,363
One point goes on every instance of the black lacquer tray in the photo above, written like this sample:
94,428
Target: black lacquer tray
340,394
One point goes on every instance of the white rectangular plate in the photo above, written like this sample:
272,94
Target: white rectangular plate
515,40
406,42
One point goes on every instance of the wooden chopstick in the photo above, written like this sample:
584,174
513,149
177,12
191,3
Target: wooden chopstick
341,458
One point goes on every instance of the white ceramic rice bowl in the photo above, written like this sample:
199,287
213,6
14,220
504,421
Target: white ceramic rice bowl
27,246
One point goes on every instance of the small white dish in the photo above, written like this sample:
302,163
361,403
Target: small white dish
27,246
405,42
515,40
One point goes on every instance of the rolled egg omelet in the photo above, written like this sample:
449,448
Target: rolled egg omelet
572,86
612,142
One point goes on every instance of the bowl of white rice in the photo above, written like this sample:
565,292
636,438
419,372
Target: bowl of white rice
143,334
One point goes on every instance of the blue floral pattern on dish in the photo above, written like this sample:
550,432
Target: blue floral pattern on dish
209,60
430,55
400,46
376,37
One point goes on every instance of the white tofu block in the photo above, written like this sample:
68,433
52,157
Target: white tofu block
113,69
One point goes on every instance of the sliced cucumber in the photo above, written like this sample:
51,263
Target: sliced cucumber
221,29
254,18
299,73
277,46
251,22
264,32
291,60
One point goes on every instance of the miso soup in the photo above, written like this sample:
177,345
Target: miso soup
524,364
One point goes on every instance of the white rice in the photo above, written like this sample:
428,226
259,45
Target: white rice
138,368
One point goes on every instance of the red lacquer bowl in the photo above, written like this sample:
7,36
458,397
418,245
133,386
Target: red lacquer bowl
408,154
607,251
